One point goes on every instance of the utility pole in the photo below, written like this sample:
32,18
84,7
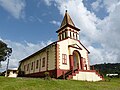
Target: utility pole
8,51
7,68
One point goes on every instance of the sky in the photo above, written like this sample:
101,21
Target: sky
29,25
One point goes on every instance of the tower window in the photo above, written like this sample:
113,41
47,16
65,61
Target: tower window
65,34
62,35
70,35
73,35
59,36
76,36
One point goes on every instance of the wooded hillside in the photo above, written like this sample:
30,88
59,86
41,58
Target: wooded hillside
107,68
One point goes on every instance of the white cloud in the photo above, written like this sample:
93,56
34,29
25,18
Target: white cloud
34,19
55,22
94,30
21,50
97,5
38,19
110,33
110,4
48,2
105,32
14,7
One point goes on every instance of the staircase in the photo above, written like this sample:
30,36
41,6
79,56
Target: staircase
85,75
65,75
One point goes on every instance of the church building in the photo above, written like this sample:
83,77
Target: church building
66,58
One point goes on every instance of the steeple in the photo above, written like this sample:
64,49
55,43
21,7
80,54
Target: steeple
67,20
68,29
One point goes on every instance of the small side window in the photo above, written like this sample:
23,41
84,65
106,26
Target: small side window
64,58
27,67
37,63
43,62
32,66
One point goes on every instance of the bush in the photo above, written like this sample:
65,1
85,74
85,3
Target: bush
21,73
47,76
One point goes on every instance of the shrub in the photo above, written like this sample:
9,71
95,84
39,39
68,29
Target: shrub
47,76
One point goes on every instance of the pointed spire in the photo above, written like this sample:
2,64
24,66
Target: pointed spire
67,20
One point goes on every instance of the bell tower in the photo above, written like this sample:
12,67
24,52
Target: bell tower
67,29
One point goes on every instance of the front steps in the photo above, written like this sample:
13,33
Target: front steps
85,75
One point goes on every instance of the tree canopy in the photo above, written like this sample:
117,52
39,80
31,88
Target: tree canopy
5,51
108,68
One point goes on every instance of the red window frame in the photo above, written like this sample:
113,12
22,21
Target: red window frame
32,66
43,62
64,58
37,63
24,67
27,67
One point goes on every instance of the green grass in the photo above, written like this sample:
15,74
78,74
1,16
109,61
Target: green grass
40,84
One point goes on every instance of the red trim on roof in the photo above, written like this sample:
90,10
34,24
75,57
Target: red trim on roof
83,46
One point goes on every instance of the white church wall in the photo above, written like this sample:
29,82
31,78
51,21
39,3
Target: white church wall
83,52
64,50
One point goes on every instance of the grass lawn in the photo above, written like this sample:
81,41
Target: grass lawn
40,84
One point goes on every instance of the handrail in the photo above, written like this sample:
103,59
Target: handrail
68,73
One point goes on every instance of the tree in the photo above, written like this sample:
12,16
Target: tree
5,53
3,46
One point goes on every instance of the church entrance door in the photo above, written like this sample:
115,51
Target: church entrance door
76,60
